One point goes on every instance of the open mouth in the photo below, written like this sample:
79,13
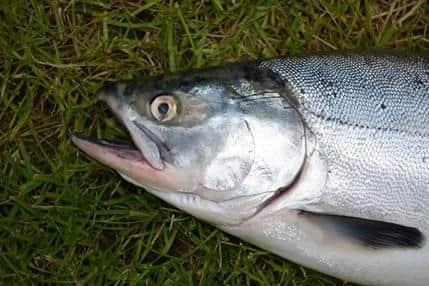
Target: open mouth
93,147
129,161
121,157
144,156
116,154
146,163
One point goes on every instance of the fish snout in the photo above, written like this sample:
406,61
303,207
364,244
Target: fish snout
113,96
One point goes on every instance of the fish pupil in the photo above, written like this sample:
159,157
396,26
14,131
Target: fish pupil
163,108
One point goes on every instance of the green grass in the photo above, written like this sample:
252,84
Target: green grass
65,219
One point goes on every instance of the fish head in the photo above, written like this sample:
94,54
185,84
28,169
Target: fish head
226,137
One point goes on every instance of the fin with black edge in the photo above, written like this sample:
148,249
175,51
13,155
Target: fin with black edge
369,233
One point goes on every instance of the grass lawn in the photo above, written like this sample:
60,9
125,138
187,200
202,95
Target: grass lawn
66,219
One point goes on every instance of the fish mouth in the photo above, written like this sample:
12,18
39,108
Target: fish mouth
116,155
130,163
150,146
146,161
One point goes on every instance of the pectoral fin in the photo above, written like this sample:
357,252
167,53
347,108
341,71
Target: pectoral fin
369,233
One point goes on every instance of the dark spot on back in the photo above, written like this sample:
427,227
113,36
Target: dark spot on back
368,60
383,106
326,83
418,81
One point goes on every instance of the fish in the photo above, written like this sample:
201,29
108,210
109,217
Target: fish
322,159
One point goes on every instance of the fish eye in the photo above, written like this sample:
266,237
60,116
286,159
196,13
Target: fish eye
163,108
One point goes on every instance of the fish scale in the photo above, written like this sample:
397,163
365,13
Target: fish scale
371,125
359,90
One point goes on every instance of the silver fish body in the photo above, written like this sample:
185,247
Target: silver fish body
370,119
321,159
